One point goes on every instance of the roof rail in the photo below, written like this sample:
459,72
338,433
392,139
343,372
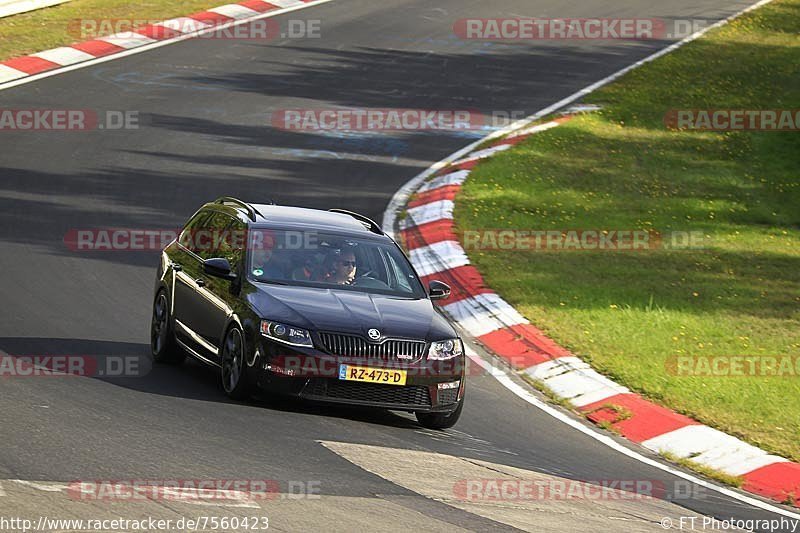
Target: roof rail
251,211
368,222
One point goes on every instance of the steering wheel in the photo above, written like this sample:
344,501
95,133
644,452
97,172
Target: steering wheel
370,283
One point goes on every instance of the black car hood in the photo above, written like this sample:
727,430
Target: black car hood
351,312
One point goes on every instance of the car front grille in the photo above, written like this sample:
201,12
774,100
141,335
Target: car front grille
372,393
388,350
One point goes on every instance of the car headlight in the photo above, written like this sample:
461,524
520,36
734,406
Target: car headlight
286,334
442,350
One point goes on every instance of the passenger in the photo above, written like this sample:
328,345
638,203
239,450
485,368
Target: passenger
305,272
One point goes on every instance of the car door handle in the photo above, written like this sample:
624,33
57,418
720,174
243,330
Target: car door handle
200,282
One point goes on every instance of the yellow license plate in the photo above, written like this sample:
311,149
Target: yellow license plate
372,375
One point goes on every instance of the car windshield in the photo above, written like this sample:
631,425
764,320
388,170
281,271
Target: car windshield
310,258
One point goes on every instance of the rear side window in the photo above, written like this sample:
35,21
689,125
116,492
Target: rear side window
236,240
214,234
186,238
215,239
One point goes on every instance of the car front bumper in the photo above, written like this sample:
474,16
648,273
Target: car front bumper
431,386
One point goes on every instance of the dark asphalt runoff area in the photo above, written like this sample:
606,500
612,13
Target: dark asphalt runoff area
204,108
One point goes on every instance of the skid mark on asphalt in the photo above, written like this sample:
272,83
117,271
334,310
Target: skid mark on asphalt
204,497
464,440
34,500
445,476
135,81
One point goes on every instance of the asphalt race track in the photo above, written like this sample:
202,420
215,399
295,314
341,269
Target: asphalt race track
205,131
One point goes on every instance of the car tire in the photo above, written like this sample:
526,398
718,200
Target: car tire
440,420
163,347
234,371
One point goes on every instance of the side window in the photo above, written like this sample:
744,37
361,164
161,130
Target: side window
402,279
371,261
214,239
187,236
237,240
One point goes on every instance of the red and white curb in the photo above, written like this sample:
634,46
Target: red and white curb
19,69
426,229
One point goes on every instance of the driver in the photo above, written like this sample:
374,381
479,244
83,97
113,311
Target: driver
342,268
262,267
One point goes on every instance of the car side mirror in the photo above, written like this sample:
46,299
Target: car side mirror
219,267
438,290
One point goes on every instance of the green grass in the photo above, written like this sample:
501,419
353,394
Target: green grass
555,399
628,312
722,477
51,27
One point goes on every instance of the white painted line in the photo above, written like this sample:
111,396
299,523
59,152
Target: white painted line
694,442
158,44
535,129
454,178
400,198
688,441
592,433
285,3
234,11
437,257
575,380
584,387
599,394
184,24
738,459
619,510
7,74
556,367
712,448
581,108
483,313
416,216
482,154
128,39
64,55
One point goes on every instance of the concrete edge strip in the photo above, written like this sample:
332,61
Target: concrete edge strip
497,326
657,429
16,7
26,69
482,314
524,394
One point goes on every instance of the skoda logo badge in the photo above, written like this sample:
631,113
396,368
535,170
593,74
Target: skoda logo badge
374,334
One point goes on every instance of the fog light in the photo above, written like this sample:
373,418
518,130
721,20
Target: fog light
450,385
